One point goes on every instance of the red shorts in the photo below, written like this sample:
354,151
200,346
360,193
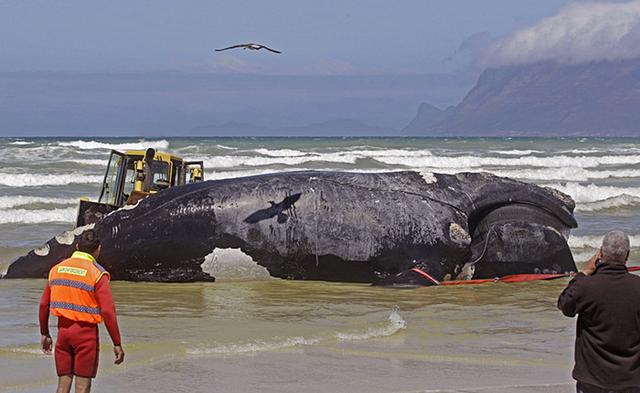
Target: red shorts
77,348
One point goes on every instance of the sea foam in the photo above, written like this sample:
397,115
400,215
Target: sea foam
595,241
255,346
394,324
140,145
37,216
616,202
468,161
8,202
21,143
593,193
517,152
36,180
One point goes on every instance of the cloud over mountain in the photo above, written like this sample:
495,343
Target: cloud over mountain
579,33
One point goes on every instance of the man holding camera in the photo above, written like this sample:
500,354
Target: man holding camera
606,298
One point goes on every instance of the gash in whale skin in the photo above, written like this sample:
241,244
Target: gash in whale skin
334,226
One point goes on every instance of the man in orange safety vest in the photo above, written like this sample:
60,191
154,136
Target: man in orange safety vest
78,293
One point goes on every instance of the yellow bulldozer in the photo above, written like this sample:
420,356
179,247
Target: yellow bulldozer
135,175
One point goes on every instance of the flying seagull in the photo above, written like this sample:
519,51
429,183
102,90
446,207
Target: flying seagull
251,46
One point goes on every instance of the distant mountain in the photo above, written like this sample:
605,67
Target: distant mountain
427,117
336,127
544,99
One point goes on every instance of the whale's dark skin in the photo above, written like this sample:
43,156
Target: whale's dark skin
352,227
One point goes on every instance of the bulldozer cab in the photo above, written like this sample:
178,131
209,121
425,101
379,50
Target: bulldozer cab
135,175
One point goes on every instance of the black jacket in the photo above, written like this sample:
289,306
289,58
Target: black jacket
607,351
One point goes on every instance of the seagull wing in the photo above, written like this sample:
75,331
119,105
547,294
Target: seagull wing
232,47
269,49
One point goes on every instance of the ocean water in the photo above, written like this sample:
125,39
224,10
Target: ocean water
247,333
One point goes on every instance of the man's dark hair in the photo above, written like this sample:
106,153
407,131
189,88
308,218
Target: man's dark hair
88,242
149,154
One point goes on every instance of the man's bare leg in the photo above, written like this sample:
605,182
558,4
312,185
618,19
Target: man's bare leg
83,385
64,384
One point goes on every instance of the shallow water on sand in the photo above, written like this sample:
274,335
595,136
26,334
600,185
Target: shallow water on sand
439,337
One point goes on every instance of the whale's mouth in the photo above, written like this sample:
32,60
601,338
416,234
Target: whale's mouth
519,238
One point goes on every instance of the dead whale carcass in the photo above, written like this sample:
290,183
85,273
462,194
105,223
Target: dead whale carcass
334,226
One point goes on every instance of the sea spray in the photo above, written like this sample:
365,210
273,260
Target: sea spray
394,324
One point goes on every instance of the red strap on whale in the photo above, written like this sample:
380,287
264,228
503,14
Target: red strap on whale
519,278
426,275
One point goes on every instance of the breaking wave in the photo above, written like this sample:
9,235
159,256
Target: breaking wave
280,152
223,147
532,161
619,201
255,346
25,216
595,241
565,173
21,143
237,161
581,151
593,193
93,145
562,167
394,324
544,174
36,180
89,161
517,152
8,202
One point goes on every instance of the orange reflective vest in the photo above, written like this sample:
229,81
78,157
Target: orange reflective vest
72,284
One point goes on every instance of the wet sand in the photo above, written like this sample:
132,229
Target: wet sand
320,370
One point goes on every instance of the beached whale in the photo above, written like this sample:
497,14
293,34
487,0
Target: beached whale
334,226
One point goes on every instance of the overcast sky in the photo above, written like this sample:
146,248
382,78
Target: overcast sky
316,37
100,68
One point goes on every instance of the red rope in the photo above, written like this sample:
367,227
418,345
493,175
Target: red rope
425,274
519,278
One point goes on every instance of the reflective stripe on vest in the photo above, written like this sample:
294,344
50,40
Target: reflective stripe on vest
75,307
72,284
